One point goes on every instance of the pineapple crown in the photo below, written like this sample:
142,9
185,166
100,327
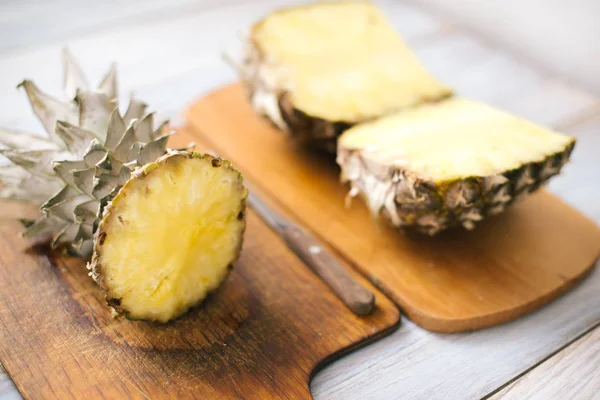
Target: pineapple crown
88,153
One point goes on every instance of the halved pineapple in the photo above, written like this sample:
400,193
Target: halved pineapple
170,235
315,70
450,163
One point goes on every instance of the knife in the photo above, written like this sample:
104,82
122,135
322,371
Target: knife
357,298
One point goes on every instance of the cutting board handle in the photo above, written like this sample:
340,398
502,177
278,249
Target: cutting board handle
358,299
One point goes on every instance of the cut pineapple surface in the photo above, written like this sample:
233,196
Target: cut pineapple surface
170,236
454,139
337,62
447,164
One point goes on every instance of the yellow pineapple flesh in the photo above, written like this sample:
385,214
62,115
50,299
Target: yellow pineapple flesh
454,139
341,61
170,236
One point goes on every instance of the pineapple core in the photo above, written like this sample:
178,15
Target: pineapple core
454,139
343,61
171,236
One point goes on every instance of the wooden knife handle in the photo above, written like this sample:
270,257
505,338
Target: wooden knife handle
358,299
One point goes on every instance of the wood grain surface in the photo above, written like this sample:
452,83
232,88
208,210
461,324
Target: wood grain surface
412,363
456,281
572,374
262,335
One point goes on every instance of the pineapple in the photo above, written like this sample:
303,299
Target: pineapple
164,229
448,164
87,154
170,235
316,70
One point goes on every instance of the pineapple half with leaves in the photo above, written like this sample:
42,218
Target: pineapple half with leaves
316,70
448,164
166,225
88,153
170,235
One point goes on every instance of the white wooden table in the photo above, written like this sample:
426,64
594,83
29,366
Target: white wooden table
168,52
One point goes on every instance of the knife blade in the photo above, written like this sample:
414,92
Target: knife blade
357,298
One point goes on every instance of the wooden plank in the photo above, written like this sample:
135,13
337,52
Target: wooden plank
168,86
22,23
259,336
575,186
529,28
572,373
416,364
195,40
457,281
410,361
27,24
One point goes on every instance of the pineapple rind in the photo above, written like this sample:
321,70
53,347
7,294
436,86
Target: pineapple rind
407,200
271,92
96,267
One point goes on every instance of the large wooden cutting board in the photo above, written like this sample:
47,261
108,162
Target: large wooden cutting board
457,281
260,336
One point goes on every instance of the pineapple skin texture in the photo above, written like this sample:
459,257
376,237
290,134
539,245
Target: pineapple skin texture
98,269
273,98
408,201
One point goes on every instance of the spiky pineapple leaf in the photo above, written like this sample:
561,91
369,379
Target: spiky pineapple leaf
65,209
63,169
67,235
76,138
45,226
89,155
18,184
135,111
21,193
124,175
11,173
104,185
122,150
153,150
84,180
87,230
49,110
94,154
86,212
109,85
115,130
160,130
24,140
134,152
67,192
86,247
74,78
37,162
95,109
144,128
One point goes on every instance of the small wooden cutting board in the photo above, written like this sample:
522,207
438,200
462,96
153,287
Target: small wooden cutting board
508,266
261,335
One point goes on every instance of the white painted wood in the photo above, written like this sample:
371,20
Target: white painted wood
578,184
170,58
8,391
184,52
24,24
561,35
416,364
572,373
30,23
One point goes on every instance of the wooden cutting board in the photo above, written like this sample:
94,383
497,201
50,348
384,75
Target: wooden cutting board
510,265
262,335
